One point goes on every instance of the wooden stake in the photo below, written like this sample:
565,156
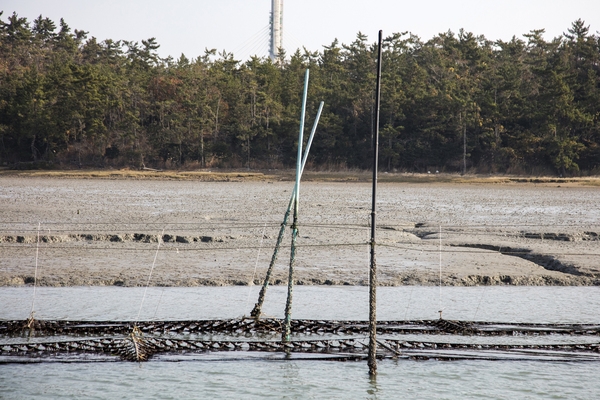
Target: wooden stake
373,270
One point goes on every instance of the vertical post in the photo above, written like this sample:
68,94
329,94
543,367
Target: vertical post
373,270
465,145
285,334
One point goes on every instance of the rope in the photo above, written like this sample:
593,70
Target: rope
262,236
162,292
204,249
261,296
149,276
259,223
37,250
286,331
291,43
402,246
485,287
408,303
260,47
467,250
251,42
440,308
479,304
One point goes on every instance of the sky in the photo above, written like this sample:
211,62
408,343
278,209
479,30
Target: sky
241,26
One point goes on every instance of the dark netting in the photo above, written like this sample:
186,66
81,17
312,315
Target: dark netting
40,340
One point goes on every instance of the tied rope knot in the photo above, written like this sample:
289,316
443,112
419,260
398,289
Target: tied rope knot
136,333
30,321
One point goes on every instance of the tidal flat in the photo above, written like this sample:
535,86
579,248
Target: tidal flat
114,232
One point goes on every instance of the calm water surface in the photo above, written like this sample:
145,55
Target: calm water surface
249,375
302,379
494,303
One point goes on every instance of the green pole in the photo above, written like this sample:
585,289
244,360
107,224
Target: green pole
257,310
285,334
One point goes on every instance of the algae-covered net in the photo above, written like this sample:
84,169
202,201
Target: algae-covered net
45,340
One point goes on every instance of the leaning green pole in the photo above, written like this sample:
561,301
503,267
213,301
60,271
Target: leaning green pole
285,334
257,310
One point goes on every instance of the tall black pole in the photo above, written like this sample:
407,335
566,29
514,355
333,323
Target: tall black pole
373,269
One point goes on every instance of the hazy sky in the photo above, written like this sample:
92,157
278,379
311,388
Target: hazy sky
241,26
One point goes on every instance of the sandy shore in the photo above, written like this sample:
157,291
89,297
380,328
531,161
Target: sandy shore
107,231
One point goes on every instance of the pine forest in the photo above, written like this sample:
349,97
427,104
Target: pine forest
455,101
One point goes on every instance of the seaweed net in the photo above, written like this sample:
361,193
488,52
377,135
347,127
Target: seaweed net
47,340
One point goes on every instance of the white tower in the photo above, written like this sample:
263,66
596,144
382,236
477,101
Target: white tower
276,28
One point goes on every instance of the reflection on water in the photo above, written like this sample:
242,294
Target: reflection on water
252,378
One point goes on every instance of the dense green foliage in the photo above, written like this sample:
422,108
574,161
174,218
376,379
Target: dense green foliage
523,106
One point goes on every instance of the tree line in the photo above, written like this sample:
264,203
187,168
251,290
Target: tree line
456,102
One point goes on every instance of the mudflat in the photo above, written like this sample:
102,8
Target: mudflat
192,232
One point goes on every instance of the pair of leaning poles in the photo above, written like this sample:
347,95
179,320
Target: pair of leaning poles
301,162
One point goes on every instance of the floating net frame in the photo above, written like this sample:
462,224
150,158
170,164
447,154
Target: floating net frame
145,340
128,349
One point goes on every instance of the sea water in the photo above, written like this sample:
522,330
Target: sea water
535,304
253,375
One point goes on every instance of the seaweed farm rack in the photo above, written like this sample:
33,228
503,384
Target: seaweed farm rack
28,341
